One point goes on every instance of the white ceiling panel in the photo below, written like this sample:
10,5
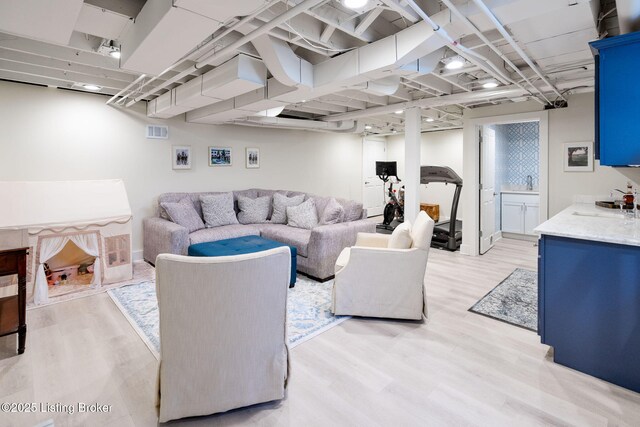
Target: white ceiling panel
561,21
566,43
220,11
51,20
102,23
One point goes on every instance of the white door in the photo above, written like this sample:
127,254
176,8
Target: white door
487,189
373,189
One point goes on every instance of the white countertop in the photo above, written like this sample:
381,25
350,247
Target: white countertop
520,192
589,222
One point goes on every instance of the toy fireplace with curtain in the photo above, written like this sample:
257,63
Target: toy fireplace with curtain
45,216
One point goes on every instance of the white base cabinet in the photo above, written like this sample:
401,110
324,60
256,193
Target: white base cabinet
520,213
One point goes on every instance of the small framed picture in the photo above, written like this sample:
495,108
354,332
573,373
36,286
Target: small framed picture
181,156
253,158
578,156
219,156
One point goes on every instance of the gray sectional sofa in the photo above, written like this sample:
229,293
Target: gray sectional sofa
317,248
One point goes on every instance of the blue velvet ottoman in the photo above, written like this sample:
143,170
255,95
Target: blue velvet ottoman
243,245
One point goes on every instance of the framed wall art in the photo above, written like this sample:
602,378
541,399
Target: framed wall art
220,156
578,156
252,158
181,157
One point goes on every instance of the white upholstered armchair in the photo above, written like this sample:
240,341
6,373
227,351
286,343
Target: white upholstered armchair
223,335
383,275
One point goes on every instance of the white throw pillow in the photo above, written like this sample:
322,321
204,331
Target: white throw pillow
280,204
422,231
401,236
304,215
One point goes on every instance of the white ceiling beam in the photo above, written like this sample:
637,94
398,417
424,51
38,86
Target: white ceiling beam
344,101
61,75
327,33
366,97
56,64
406,12
480,95
445,79
368,19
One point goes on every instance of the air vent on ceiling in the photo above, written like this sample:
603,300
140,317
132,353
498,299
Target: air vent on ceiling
157,132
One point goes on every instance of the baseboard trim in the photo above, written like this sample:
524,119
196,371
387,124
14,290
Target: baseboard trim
516,236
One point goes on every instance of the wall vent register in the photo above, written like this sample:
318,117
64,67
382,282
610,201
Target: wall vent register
157,132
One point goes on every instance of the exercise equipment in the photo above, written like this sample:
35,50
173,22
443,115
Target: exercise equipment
394,210
446,234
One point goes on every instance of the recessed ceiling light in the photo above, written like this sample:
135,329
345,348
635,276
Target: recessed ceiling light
454,63
271,112
114,54
490,84
428,119
91,87
355,4
367,127
399,111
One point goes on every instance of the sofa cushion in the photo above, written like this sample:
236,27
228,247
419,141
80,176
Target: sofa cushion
280,204
401,236
176,197
270,193
218,210
221,233
183,213
303,216
332,213
251,193
298,237
253,211
352,210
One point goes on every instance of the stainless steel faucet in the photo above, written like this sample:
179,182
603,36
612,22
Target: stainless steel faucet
529,183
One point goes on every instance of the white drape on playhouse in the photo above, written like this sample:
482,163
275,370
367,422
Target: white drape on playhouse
50,246
94,215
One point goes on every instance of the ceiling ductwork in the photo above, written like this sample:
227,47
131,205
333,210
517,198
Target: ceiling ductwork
34,19
152,44
239,75
347,126
413,51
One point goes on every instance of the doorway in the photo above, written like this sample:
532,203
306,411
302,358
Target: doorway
509,181
489,220
373,196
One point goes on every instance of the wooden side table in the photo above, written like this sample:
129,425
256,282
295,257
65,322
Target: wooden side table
13,308
432,210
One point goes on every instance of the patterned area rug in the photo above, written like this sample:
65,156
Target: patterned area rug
308,310
514,300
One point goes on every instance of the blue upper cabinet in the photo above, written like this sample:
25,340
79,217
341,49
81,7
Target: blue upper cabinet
618,99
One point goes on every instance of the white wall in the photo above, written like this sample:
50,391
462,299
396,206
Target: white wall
52,134
442,148
572,124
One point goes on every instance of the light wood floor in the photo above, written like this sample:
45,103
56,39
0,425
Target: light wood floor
457,368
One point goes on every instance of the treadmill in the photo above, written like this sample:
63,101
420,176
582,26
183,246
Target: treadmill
446,234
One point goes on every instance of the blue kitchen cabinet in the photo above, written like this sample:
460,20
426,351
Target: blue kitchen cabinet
618,100
589,307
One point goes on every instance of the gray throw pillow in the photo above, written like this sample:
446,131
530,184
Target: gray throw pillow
253,211
333,213
183,213
218,210
304,215
280,204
